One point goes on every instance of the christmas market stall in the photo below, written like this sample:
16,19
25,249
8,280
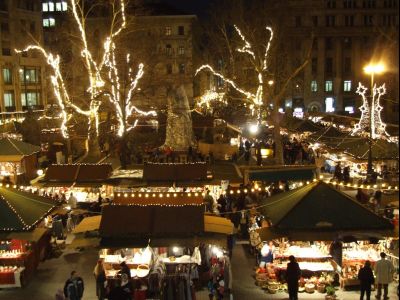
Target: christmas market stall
312,223
85,181
18,161
23,244
164,239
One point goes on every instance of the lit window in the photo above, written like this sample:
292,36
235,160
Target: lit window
298,112
328,86
51,6
8,99
314,86
7,76
52,22
168,30
349,109
58,6
64,6
46,23
30,98
181,50
347,85
329,104
45,7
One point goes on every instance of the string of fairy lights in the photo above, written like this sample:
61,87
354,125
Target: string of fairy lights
25,226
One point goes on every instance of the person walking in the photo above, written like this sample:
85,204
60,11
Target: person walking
293,274
101,280
384,271
73,288
367,279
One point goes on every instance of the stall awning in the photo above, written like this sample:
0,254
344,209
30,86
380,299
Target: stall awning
157,198
193,241
212,224
269,233
30,236
14,150
151,220
284,173
76,174
319,207
174,171
217,225
88,224
21,211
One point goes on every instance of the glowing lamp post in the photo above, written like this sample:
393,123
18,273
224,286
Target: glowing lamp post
372,69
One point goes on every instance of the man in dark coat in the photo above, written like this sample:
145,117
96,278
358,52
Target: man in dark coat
73,288
125,270
293,274
367,279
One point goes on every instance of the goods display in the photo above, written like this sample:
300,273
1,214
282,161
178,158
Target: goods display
12,260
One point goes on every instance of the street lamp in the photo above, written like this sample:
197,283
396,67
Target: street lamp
372,69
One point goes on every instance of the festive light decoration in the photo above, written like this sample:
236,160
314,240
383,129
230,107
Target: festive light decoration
371,113
210,96
99,84
260,65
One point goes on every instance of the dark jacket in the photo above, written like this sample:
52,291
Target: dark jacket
366,276
73,288
293,273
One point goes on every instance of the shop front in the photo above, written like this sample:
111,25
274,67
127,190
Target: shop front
170,247
319,226
23,242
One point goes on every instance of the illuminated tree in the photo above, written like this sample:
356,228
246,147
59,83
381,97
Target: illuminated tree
102,76
264,74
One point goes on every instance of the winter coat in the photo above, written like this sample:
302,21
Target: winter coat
366,276
73,288
293,273
384,271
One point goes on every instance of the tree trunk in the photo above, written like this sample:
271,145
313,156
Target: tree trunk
93,147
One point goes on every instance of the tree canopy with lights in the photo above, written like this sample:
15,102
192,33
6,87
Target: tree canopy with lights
103,74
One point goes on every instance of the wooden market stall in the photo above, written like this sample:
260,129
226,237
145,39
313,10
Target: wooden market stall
18,160
323,218
23,244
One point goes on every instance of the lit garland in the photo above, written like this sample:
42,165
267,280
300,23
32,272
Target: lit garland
210,96
257,98
371,113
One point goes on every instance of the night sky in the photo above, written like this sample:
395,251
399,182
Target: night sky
198,7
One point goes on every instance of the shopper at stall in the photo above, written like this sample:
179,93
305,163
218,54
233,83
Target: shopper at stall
73,288
101,280
209,201
267,254
293,274
367,279
125,270
384,271
72,201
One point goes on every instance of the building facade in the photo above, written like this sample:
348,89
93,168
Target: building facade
22,85
348,35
